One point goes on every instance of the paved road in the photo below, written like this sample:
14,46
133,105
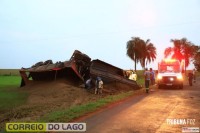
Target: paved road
150,113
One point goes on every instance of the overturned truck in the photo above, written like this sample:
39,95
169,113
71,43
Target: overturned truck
80,67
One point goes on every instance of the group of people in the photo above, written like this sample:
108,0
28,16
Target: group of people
149,76
98,84
149,79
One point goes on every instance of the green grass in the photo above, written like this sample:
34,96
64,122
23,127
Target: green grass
69,114
10,96
140,77
9,81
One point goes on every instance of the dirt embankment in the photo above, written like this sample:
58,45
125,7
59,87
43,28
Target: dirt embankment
45,97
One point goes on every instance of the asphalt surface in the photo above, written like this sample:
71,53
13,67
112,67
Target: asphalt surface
162,110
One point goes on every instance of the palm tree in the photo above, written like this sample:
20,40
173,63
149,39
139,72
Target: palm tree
196,59
182,50
149,53
140,51
197,62
134,49
174,52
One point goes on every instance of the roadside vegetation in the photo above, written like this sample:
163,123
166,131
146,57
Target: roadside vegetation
140,77
67,115
10,96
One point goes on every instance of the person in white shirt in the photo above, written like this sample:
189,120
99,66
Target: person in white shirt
98,85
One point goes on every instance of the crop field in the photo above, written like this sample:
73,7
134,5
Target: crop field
10,94
9,72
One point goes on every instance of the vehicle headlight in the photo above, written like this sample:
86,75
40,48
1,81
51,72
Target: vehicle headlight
180,77
159,76
171,79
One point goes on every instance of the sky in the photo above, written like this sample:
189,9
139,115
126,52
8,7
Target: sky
38,30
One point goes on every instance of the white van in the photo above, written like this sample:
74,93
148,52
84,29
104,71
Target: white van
170,73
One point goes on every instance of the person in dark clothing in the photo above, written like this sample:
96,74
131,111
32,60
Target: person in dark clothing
152,76
190,78
194,75
98,85
147,79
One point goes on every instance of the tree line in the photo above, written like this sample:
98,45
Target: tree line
144,52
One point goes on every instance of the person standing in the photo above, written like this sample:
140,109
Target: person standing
98,85
152,76
190,77
194,76
147,79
